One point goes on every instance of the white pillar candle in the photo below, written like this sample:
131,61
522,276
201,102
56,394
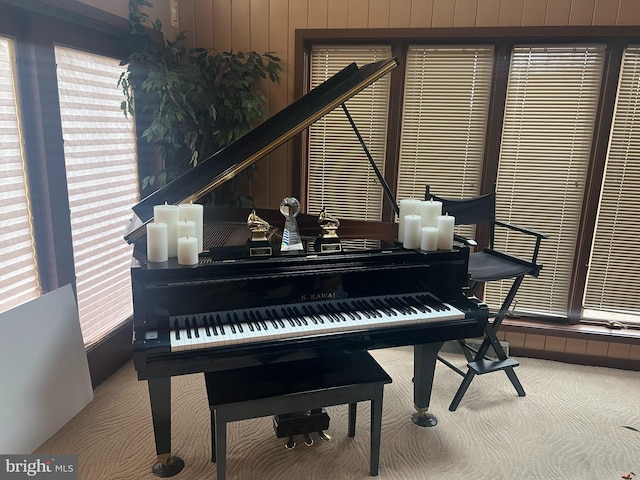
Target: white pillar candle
408,206
411,231
430,210
187,250
429,239
186,228
169,214
194,212
445,232
157,250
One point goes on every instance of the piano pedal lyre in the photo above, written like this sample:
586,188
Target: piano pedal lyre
167,465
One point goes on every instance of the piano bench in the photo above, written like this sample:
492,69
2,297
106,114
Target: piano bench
281,388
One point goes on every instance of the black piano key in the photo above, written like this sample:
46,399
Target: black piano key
323,309
267,316
293,316
384,307
277,317
176,327
220,324
194,325
308,313
212,324
346,309
205,322
258,320
362,309
403,306
187,327
230,323
418,304
337,313
299,315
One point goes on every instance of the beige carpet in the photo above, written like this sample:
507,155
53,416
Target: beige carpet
569,426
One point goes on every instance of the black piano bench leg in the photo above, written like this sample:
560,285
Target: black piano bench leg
167,466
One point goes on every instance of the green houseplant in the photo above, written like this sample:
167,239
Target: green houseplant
197,100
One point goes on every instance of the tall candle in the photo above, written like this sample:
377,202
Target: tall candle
187,250
168,214
408,206
194,212
429,239
411,231
157,250
430,210
186,228
445,232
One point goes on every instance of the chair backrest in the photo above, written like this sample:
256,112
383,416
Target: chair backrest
479,211
468,211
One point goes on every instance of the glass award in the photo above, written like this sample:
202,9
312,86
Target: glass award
291,241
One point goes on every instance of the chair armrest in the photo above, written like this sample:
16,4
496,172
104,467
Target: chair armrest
522,230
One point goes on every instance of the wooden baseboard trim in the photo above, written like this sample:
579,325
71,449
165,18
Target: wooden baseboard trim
110,354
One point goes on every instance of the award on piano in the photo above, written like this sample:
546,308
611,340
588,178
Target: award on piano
328,240
291,241
233,310
259,245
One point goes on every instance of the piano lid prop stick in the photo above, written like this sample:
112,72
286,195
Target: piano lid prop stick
188,251
412,231
194,212
445,232
157,249
168,214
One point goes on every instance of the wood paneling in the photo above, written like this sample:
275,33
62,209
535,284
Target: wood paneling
488,13
605,12
558,12
581,12
358,13
421,13
511,13
221,25
442,13
400,13
534,12
317,15
629,12
240,25
203,23
464,14
337,13
378,14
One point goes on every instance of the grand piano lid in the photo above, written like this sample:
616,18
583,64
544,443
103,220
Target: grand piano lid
266,137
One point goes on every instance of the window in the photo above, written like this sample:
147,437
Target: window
100,163
551,105
340,176
18,272
531,119
612,279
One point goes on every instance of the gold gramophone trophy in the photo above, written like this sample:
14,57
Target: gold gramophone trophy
328,240
258,244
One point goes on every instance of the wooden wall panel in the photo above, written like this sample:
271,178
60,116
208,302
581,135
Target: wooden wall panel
442,15
464,14
605,12
581,12
511,13
400,14
558,12
534,12
222,25
318,14
488,13
629,12
337,13
203,23
421,13
240,25
378,14
358,13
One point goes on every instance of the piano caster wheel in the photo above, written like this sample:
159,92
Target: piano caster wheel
324,436
424,419
307,439
168,467
290,444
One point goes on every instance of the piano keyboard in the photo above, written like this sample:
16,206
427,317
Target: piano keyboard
233,327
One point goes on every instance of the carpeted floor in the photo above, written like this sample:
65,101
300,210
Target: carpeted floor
569,426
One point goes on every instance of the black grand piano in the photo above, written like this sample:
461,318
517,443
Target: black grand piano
233,310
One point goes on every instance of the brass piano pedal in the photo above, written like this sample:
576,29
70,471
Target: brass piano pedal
291,443
324,436
307,439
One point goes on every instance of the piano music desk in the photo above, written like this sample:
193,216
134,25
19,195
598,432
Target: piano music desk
281,388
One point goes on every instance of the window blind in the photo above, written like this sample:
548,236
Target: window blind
99,148
18,270
447,90
340,177
551,104
614,268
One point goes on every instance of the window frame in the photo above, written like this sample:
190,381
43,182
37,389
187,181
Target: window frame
504,39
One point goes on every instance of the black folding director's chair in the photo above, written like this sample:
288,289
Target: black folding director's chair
489,265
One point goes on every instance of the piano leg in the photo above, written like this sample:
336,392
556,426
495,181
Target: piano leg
160,396
424,366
